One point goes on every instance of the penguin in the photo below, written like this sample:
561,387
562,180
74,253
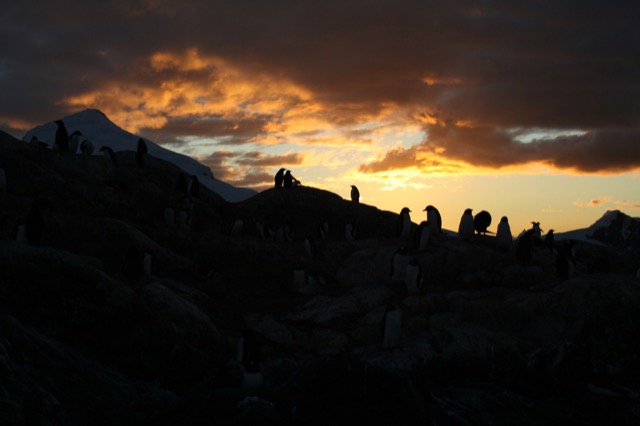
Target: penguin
170,216
75,140
184,219
61,142
404,222
399,262
193,186
279,178
434,219
249,359
524,246
537,233
237,228
181,184
549,241
260,230
504,239
351,231
108,152
86,147
421,236
565,261
19,231
323,230
36,220
141,151
391,326
355,194
413,277
288,179
148,263
481,222
310,247
466,227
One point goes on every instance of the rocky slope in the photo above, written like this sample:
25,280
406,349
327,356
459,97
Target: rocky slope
90,334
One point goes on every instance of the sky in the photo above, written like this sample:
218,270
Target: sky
525,109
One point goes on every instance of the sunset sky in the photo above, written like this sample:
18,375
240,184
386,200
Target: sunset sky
526,109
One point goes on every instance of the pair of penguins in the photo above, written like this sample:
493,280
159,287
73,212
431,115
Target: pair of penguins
479,223
66,142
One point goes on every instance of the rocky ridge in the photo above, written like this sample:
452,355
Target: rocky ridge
92,334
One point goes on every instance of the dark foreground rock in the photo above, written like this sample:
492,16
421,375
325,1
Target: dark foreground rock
92,333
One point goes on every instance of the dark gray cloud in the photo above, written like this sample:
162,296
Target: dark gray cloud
493,65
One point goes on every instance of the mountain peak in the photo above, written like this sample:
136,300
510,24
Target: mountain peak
616,229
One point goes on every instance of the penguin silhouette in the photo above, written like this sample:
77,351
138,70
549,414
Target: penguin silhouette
193,186
109,153
421,236
355,194
86,147
62,137
288,179
466,227
141,152
434,219
404,222
481,222
565,260
504,239
75,140
549,241
279,178
524,246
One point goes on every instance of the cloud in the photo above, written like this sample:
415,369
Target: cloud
324,73
607,201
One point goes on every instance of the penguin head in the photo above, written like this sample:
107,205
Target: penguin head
504,220
468,211
405,210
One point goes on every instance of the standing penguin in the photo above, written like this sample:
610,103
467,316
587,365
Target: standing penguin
434,219
351,231
279,178
288,179
181,184
141,151
481,222
355,194
35,222
421,236
399,261
310,247
75,140
61,142
524,246
86,147
504,239
19,231
413,277
193,186
108,152
565,261
404,222
537,233
466,227
249,358
391,326
549,241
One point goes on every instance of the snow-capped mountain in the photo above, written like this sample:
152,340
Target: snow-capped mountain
97,128
613,229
